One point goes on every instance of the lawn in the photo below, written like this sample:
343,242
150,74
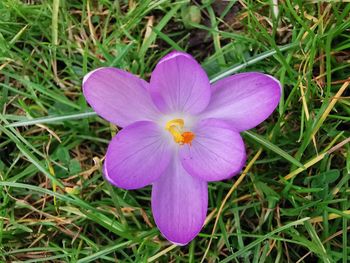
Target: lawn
289,204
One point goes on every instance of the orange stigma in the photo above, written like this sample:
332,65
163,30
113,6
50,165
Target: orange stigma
175,127
188,137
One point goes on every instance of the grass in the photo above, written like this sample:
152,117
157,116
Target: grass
291,202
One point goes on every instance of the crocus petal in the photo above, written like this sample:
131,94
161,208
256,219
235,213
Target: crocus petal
118,96
137,156
216,152
244,100
179,84
179,204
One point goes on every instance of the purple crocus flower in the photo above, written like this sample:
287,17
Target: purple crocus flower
179,133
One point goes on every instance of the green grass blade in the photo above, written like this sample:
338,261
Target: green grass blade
268,145
52,119
235,68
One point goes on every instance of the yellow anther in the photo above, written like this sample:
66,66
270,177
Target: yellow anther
175,127
176,122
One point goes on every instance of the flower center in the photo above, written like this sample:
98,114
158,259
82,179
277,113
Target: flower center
176,128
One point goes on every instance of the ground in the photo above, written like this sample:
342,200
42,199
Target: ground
291,202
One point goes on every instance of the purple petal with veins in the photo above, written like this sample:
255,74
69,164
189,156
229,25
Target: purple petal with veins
179,84
244,100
